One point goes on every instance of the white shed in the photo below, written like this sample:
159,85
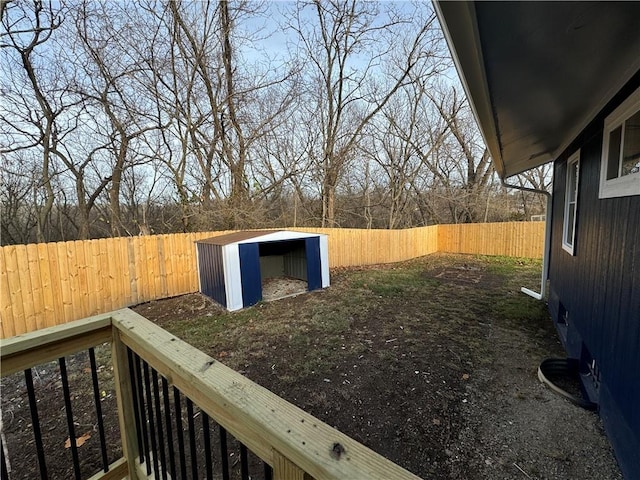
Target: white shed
232,268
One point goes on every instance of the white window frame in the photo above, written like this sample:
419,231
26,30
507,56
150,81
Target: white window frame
568,246
626,185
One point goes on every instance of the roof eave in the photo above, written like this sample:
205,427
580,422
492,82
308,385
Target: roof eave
473,76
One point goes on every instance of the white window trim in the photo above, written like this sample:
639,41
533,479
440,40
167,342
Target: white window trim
629,184
566,246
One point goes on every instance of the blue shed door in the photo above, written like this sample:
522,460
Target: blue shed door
250,273
314,271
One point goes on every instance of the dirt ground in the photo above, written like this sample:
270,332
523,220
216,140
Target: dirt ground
431,363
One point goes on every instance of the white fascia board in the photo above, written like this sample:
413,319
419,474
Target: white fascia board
233,279
460,27
324,260
278,236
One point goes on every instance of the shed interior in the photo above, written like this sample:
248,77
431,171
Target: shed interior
280,263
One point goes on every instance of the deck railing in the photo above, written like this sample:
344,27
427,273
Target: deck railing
163,384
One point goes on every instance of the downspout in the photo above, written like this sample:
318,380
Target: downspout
547,240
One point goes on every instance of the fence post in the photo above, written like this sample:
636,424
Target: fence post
124,398
285,469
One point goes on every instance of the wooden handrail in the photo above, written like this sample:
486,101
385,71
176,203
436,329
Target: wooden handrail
34,348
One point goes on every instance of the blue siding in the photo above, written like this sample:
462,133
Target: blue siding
599,287
212,281
250,273
314,270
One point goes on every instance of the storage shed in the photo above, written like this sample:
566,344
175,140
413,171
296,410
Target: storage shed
233,268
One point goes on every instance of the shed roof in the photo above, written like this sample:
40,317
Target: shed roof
537,73
234,237
266,235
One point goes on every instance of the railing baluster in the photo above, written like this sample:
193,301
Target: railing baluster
192,439
156,396
207,446
67,405
167,420
244,462
143,414
28,376
152,429
179,433
136,405
96,399
268,471
225,453
4,472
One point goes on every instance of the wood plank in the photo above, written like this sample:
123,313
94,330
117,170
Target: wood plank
254,415
163,291
153,265
25,288
65,284
91,277
141,263
117,471
113,291
124,398
105,275
75,289
6,308
285,469
194,283
36,285
34,348
133,278
54,269
171,264
49,316
13,282
83,288
123,270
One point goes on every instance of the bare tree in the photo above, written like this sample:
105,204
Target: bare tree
33,101
344,103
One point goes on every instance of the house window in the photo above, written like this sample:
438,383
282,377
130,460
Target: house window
570,202
620,168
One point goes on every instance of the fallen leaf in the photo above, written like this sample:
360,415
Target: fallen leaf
436,421
465,376
79,441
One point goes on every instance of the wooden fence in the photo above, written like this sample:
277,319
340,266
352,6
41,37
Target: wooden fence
512,239
42,285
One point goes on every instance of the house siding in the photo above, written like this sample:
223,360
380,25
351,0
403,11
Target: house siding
599,287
